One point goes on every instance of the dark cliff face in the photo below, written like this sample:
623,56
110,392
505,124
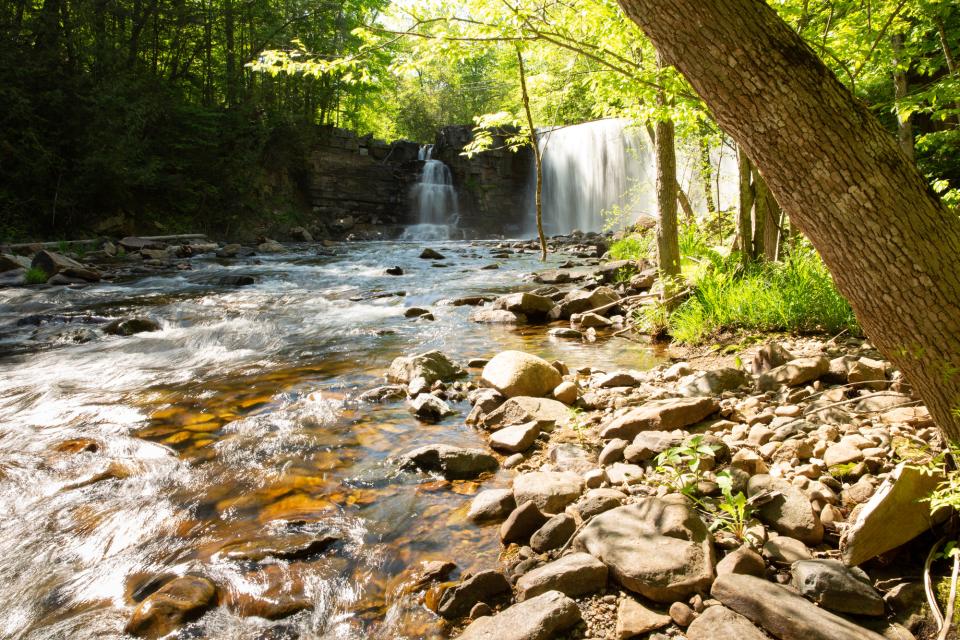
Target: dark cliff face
359,184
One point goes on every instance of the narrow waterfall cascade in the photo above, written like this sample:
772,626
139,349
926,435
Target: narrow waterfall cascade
434,198
602,174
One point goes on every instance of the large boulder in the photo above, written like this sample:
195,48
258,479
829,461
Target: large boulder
53,264
658,548
788,510
540,618
720,623
784,614
543,411
515,373
454,463
551,491
575,574
793,373
422,370
835,587
900,499
660,415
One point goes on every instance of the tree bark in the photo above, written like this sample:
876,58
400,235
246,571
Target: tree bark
668,242
535,143
843,180
745,211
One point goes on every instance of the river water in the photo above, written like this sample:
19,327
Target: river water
127,458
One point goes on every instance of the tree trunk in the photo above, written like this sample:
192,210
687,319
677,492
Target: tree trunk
536,154
745,211
900,89
688,215
843,180
668,243
760,207
706,174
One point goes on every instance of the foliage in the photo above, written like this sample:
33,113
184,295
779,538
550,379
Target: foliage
797,295
683,465
35,275
636,246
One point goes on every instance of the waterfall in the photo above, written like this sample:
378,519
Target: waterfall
608,167
434,199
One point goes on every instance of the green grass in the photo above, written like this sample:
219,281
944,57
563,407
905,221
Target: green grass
796,295
35,275
633,247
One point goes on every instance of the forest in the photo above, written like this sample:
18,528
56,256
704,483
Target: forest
489,319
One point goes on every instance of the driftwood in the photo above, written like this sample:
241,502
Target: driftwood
72,243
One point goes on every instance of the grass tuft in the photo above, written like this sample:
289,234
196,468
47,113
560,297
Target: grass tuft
35,275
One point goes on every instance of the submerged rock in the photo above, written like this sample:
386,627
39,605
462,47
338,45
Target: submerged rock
174,604
431,254
515,373
454,463
484,586
131,326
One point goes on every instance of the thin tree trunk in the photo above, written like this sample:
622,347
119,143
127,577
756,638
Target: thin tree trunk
745,211
536,154
900,89
760,215
685,206
771,228
843,180
668,245
706,174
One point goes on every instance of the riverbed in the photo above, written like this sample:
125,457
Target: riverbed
127,458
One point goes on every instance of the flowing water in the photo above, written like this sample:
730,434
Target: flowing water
434,201
124,458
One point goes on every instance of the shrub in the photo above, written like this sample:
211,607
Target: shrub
35,275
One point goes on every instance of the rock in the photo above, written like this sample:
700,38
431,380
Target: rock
649,444
868,374
10,262
522,409
743,560
835,587
515,373
454,463
899,499
270,246
486,400
300,234
528,304
492,504
596,501
429,408
567,456
415,312
720,623
294,546
483,586
574,575
634,619
592,321
54,264
539,618
619,379
550,491
713,383
431,254
613,451
179,601
496,316
130,326
422,575
516,438
565,392
420,371
784,614
383,393
554,534
841,453
661,415
682,614
770,356
565,332
657,548
236,280
394,271
793,373
522,523
643,280
789,513
785,549
619,473
480,609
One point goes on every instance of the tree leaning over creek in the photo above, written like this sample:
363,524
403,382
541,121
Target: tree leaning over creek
890,243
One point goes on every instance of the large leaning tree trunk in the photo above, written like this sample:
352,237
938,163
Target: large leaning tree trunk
891,245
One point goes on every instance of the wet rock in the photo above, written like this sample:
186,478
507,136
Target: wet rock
788,511
550,491
515,438
663,415
657,548
590,321
784,614
634,619
295,546
483,586
541,618
574,575
743,560
236,280
770,356
522,523
300,234
383,393
270,246
77,445
555,276
415,312
420,371
565,332
554,534
899,499
496,316
491,504
527,304
522,409
720,623
174,604
836,588
54,264
394,271
422,575
131,326
454,463
429,408
793,373
515,373
713,383
431,254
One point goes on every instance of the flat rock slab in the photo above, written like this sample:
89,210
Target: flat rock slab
713,383
720,623
657,548
540,618
634,619
836,588
660,415
784,614
454,463
899,499
515,438
550,491
575,574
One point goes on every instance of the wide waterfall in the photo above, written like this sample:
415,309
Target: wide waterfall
602,174
434,199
